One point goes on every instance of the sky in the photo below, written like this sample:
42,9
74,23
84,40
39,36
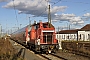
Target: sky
64,13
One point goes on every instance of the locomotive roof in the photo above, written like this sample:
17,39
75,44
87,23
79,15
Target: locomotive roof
86,27
68,31
46,23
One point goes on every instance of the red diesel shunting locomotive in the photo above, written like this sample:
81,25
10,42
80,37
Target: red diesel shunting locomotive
38,36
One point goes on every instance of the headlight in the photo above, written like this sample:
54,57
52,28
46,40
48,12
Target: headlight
38,42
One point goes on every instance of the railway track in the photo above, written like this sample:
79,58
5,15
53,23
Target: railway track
81,54
45,56
59,57
80,48
52,57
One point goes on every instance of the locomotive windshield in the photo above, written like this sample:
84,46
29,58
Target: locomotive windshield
45,26
47,37
36,26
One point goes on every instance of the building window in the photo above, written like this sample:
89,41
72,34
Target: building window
68,37
83,38
80,37
57,36
74,36
64,36
88,36
71,36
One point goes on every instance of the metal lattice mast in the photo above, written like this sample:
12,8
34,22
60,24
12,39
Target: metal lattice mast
49,17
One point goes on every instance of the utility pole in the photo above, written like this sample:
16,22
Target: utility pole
20,26
69,26
29,21
58,29
49,17
0,30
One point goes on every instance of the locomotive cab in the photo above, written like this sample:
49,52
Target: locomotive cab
45,39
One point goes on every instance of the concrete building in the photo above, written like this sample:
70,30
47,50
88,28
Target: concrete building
82,34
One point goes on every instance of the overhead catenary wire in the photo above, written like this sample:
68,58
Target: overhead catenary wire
46,8
76,2
73,2
56,2
32,12
43,10
15,13
39,3
80,3
84,11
